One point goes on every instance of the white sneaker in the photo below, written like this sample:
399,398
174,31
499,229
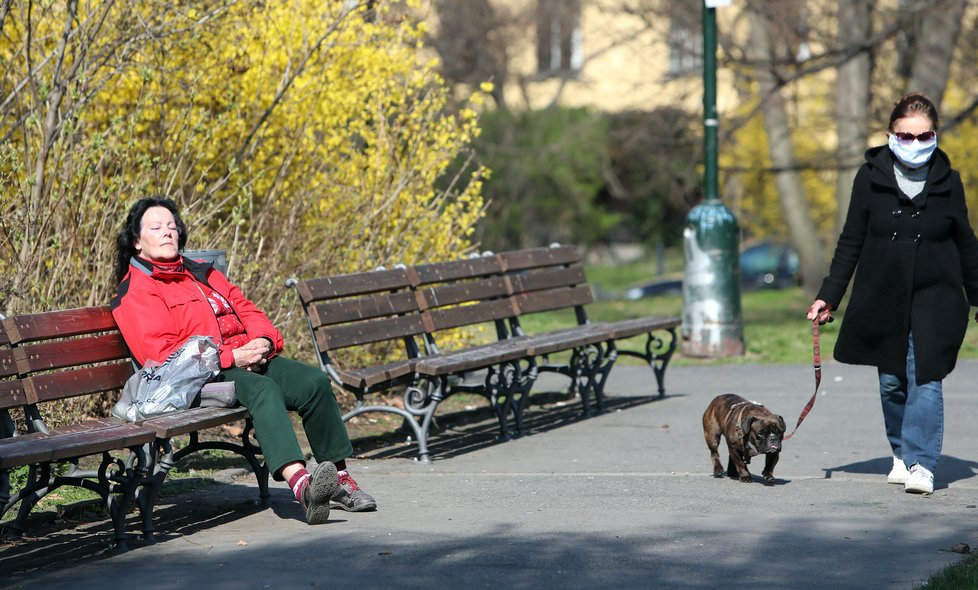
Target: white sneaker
899,473
921,481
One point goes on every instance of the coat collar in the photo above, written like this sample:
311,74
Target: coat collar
198,269
881,161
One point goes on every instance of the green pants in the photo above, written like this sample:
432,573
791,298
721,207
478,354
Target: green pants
291,385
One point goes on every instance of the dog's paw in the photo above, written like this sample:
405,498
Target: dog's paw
746,479
718,473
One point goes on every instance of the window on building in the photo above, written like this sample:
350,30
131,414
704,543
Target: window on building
685,49
559,37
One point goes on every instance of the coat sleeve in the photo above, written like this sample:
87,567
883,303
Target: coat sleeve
966,242
145,322
850,244
256,323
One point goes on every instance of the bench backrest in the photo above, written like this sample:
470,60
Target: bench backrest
547,279
462,293
62,354
360,308
498,288
404,303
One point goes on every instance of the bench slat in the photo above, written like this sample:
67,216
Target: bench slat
547,278
477,357
568,338
392,372
58,446
66,353
8,366
554,299
634,327
75,382
193,419
56,324
534,257
461,292
467,268
368,332
12,394
467,315
360,283
363,308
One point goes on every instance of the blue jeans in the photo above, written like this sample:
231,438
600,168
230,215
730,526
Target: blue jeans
913,415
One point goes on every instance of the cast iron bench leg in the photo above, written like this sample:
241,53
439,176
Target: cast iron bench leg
119,483
421,399
161,461
657,355
36,487
527,377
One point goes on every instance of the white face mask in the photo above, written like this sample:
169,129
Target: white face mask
915,154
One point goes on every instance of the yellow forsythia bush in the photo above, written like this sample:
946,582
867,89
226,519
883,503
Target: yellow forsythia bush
304,137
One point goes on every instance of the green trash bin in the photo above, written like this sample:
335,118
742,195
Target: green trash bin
712,321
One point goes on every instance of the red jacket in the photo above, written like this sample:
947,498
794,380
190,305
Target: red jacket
158,311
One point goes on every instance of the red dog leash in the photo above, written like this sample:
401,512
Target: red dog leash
818,377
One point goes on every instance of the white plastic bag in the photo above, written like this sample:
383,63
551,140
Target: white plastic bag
159,388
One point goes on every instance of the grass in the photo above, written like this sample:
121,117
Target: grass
955,577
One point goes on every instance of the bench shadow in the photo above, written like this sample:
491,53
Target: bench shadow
83,533
459,433
949,470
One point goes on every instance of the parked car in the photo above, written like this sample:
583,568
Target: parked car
769,265
763,265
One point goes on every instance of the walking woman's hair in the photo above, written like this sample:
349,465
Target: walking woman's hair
912,104
125,242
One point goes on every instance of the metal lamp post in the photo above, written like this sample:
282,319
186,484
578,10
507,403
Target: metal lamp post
712,321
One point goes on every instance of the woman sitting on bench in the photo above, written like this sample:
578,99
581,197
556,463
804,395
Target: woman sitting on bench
164,299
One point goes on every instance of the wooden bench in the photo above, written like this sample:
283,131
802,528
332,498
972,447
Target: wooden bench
410,309
58,355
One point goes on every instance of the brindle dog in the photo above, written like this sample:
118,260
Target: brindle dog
749,428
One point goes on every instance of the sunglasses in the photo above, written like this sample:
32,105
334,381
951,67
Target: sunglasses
904,137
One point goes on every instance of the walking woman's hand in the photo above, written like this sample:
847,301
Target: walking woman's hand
823,311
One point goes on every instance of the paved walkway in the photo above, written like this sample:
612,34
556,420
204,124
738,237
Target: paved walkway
623,500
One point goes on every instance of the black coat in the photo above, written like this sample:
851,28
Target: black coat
918,270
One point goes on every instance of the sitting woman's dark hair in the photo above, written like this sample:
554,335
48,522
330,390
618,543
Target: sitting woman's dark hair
125,242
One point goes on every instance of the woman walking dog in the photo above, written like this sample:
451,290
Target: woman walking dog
907,231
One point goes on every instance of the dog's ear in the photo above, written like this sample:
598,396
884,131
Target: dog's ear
784,427
746,424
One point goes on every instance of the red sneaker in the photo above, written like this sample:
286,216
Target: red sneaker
350,497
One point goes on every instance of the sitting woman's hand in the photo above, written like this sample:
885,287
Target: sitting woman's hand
253,355
263,345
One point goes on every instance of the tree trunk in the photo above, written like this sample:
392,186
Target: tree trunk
801,228
852,97
936,34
